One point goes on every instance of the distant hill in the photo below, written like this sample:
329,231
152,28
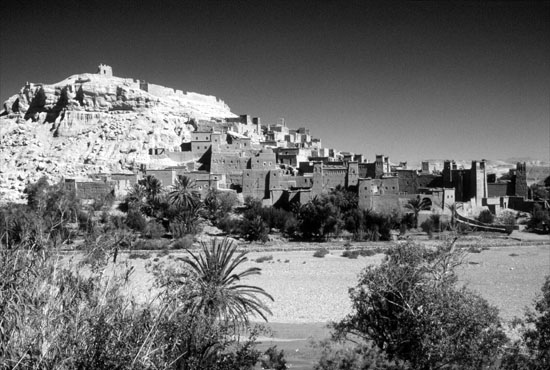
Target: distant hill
93,123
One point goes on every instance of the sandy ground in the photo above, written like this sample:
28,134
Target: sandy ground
315,290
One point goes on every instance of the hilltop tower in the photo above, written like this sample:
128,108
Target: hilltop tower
105,70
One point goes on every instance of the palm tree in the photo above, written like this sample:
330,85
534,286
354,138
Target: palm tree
184,194
153,187
137,196
453,207
219,293
416,205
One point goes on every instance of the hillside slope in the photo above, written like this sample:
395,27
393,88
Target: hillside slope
91,123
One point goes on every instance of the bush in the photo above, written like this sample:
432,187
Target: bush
152,244
486,217
361,357
540,218
412,309
185,242
154,230
135,255
320,253
532,350
255,230
274,359
428,227
229,224
350,254
136,221
53,317
264,259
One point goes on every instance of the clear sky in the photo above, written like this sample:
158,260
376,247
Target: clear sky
412,80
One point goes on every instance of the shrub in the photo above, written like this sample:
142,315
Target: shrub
136,221
264,259
532,350
320,253
163,253
361,357
474,249
350,254
274,359
255,230
412,309
154,230
185,242
229,224
428,227
53,317
540,217
486,217
367,252
135,255
151,244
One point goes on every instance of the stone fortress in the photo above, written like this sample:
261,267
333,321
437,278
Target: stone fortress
271,162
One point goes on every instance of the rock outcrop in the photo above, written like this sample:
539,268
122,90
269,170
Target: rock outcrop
93,123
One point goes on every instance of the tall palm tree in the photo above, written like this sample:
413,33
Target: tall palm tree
183,194
219,293
416,205
137,196
153,187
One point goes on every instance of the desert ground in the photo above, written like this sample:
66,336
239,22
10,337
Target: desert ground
311,292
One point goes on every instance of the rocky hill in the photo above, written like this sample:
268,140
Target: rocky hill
93,123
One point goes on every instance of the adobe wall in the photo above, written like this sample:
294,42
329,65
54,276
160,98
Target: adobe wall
408,181
429,181
520,204
497,189
166,177
132,178
93,189
255,183
326,178
352,174
264,160
227,163
198,148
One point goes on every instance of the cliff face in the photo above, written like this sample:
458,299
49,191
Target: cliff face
92,123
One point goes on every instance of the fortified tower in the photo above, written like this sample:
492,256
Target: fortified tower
521,188
105,70
478,179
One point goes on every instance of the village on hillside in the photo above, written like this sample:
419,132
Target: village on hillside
280,165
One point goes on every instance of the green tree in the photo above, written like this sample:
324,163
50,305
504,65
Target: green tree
411,309
540,218
416,205
486,217
532,351
218,291
319,217
184,194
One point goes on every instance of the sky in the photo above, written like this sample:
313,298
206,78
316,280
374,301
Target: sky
411,80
